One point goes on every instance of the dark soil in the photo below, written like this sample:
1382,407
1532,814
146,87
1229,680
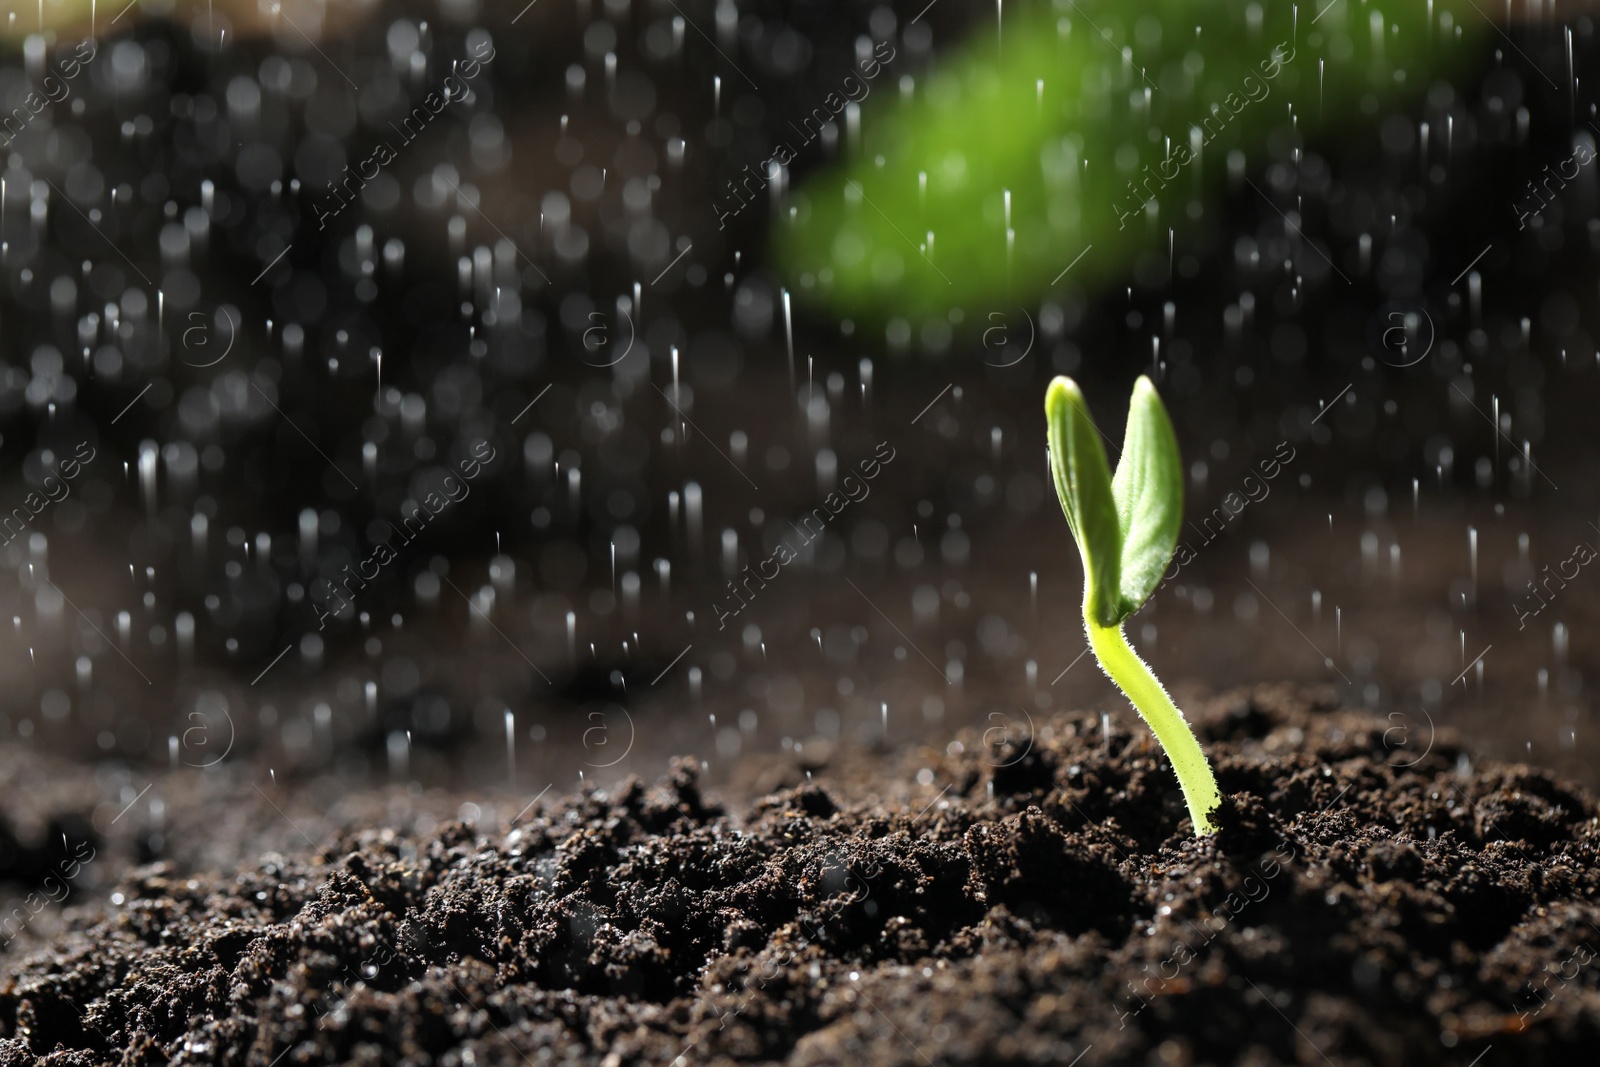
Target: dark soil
1036,901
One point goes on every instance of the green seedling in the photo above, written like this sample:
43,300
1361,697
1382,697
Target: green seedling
1126,527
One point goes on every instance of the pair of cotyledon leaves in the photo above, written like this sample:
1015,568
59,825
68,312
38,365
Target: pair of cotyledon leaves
1126,525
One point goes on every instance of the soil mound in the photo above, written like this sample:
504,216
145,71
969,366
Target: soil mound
1038,901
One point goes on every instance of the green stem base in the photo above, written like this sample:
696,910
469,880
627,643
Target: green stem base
1124,667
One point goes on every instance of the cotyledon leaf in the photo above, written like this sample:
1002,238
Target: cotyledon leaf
1083,483
1148,489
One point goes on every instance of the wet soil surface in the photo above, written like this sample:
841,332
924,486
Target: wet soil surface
1004,900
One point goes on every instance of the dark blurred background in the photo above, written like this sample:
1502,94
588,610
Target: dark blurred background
272,365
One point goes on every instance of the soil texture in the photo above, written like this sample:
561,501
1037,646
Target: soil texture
1008,900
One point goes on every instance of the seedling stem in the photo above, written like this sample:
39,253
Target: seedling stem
1139,683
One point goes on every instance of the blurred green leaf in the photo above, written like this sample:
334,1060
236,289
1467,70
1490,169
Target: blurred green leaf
1101,124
